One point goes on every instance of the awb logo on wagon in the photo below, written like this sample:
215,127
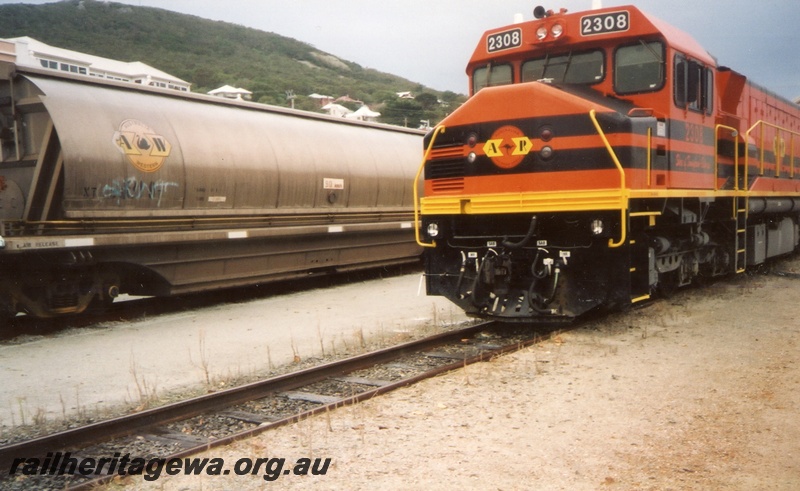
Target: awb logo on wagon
145,149
507,147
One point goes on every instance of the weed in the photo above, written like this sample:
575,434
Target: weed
21,402
204,363
40,416
465,371
63,406
80,409
362,342
321,343
296,354
146,392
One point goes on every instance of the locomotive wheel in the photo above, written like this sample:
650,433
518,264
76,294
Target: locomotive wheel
668,284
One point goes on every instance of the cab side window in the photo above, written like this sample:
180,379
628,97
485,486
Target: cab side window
639,68
694,85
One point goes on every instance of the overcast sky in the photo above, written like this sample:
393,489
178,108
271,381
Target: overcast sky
430,41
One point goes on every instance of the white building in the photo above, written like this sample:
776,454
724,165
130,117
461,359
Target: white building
322,100
230,92
33,53
337,110
364,113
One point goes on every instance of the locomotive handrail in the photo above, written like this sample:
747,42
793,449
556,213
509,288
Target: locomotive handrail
779,146
624,207
735,133
649,157
439,129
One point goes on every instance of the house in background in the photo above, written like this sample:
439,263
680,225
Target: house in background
229,92
364,113
337,110
8,53
33,53
322,100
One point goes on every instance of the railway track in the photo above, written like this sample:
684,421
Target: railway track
191,426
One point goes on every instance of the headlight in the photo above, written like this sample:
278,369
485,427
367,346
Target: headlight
541,32
557,30
597,227
433,229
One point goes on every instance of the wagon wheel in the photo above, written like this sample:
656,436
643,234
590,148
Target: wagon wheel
100,303
8,310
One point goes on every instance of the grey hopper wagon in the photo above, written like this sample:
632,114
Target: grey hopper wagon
110,187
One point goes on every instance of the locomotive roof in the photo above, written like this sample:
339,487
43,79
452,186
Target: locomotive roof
641,25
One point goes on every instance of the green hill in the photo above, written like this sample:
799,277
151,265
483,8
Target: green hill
211,53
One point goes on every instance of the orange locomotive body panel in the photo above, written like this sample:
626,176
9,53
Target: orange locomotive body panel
602,156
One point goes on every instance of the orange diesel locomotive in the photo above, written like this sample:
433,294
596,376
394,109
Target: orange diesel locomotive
602,156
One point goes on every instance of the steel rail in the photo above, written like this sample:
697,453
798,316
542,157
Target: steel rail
129,424
346,401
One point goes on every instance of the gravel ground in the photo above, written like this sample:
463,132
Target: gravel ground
95,371
700,391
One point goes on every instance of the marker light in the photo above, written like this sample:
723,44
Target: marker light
546,152
546,135
472,157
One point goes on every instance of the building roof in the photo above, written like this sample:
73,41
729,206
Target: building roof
363,113
228,89
336,110
231,92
